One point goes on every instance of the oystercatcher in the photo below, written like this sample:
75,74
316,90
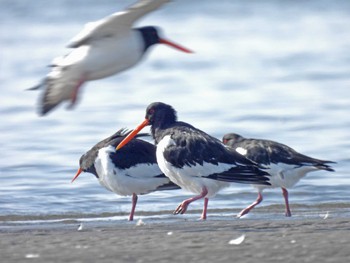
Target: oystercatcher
130,171
103,48
285,165
193,159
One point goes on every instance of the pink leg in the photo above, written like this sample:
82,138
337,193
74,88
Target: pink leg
247,210
205,207
285,195
74,96
182,208
133,206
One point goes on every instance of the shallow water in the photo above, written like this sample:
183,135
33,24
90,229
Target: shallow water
267,69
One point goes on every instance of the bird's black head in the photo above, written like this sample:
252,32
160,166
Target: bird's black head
160,114
150,36
232,138
86,163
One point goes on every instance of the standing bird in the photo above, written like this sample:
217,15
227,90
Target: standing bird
103,48
193,159
131,171
285,165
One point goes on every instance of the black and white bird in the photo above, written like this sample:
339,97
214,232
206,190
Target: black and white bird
103,48
285,165
194,160
130,171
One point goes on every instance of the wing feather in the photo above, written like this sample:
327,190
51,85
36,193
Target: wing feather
116,23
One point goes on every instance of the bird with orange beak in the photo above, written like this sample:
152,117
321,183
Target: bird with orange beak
194,160
131,171
103,48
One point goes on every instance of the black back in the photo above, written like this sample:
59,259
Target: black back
136,152
266,152
193,146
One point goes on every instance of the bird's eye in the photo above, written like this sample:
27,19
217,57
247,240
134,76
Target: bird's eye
151,111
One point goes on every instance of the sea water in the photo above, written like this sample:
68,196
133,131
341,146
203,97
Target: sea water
277,70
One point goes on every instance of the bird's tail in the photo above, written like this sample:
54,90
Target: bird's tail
324,165
36,87
168,186
243,175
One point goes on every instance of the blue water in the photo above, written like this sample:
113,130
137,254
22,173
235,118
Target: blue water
273,69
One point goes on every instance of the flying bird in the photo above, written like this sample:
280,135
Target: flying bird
103,48
131,171
193,159
285,165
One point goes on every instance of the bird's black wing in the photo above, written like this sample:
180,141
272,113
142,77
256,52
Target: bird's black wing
266,152
192,147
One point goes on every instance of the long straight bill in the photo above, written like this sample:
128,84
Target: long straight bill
132,134
174,45
77,174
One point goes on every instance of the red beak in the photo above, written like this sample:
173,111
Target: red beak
76,176
174,45
132,134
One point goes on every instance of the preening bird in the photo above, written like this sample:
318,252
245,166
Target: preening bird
131,171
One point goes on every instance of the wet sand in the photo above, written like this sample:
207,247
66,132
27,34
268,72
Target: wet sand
314,237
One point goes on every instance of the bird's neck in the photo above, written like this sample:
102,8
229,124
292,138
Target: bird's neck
147,41
158,132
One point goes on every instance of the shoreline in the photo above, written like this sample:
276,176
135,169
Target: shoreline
321,234
261,212
299,240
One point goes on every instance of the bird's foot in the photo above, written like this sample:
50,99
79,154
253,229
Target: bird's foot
288,213
181,209
243,212
203,217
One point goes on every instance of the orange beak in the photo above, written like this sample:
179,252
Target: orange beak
131,135
76,176
174,45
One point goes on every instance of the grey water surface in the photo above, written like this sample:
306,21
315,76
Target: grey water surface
274,69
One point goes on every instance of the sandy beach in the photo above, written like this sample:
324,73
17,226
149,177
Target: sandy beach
316,238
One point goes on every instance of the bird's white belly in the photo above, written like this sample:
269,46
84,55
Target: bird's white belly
190,178
106,57
286,176
138,179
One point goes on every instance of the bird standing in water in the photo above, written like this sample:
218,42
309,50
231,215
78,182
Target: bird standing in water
131,171
193,159
285,165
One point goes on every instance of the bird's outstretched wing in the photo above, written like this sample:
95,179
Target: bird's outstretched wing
117,22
